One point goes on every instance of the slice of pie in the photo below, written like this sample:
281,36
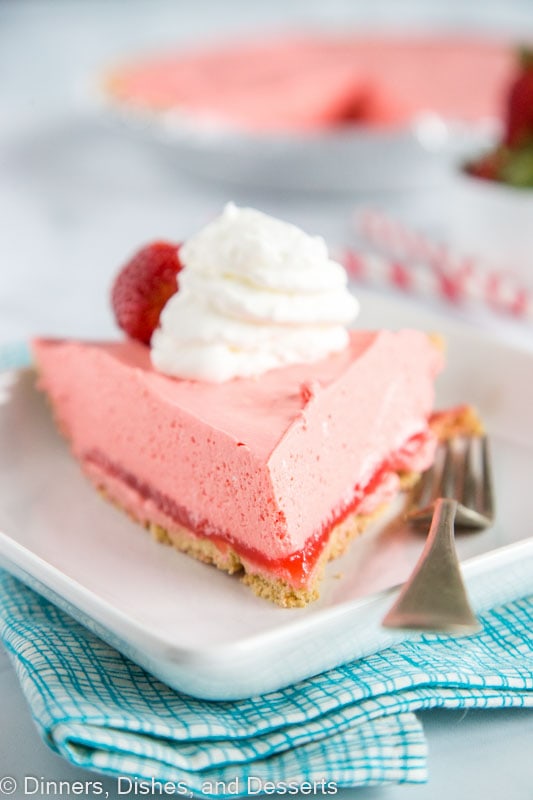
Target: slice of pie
270,475
241,420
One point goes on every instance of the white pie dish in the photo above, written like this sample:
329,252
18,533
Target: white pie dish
356,159
423,82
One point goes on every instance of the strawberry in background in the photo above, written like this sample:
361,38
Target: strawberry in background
512,161
519,122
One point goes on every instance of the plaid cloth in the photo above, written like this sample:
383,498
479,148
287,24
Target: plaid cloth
351,726
14,355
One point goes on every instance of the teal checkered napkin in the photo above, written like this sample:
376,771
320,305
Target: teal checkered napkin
351,726
14,355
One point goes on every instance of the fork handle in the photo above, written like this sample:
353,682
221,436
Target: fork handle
434,597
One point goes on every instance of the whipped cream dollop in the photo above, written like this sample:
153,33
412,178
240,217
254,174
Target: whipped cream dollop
255,293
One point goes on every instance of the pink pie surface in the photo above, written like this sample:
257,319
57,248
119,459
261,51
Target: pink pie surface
305,83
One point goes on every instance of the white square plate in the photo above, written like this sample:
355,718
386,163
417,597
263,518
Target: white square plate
202,631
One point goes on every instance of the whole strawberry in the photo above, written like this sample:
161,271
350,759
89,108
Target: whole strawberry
142,288
519,121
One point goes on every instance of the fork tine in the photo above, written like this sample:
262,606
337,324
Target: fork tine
446,485
470,485
477,482
487,484
477,493
430,485
423,493
475,510
462,472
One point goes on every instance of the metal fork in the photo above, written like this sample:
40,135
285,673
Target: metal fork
457,490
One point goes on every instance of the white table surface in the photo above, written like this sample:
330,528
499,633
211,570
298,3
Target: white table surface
77,197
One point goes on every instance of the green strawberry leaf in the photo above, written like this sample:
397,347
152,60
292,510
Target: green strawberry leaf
517,170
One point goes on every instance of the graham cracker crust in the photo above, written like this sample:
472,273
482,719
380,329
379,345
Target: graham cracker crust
458,421
276,590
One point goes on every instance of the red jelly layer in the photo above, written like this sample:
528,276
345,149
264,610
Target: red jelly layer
295,568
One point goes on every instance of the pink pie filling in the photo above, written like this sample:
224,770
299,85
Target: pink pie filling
267,465
307,83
